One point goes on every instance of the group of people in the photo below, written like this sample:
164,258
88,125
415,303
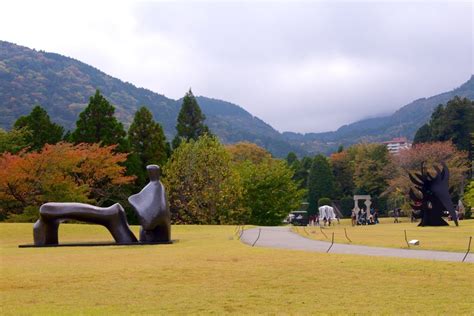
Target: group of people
315,220
362,217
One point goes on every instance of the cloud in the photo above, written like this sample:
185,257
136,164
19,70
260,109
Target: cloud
300,66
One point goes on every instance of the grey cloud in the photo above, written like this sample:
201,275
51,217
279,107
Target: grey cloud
314,66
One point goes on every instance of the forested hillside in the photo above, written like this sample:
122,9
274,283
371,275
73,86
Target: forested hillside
63,85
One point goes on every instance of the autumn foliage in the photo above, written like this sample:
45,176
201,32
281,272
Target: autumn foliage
431,153
61,172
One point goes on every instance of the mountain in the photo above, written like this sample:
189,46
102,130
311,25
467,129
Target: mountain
404,122
63,85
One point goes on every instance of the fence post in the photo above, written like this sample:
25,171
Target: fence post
406,239
345,232
468,249
259,230
332,242
241,232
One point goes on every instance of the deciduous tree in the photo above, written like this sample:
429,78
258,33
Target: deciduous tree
203,188
269,190
244,151
432,154
60,172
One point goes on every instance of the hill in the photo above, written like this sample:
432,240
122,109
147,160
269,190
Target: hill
63,85
404,122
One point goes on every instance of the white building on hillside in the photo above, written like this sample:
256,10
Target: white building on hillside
395,145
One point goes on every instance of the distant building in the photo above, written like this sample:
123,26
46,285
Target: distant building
395,145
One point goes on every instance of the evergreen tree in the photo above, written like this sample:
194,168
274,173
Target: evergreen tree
320,182
148,141
190,121
97,124
291,158
454,122
423,134
42,130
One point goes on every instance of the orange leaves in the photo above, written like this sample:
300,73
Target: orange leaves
60,172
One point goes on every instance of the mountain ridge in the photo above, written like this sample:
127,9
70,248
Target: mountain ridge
404,122
63,85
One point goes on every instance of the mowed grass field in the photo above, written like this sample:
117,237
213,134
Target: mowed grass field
390,234
208,271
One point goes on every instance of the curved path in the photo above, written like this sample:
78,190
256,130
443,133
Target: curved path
283,237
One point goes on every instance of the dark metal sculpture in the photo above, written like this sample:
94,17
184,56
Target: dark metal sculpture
152,209
150,205
435,198
45,230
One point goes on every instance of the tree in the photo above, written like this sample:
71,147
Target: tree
423,134
431,154
370,162
97,124
454,122
190,120
244,151
269,190
202,186
42,130
343,171
324,201
291,158
347,204
60,172
14,140
469,198
147,141
320,182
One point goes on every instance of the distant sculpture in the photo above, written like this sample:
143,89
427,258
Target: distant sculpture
150,205
152,209
45,230
368,203
435,197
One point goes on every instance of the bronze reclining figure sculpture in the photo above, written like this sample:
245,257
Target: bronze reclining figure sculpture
150,204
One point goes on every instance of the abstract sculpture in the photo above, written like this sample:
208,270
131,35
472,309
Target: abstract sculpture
150,205
152,209
45,230
435,197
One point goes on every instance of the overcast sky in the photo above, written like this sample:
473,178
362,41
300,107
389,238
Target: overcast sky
306,66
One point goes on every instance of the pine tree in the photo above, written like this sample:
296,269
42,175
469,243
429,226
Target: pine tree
423,134
42,130
454,122
97,124
148,141
320,182
190,120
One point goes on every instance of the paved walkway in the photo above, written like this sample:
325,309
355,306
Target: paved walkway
283,237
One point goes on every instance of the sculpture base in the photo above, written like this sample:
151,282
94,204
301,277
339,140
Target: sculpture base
96,244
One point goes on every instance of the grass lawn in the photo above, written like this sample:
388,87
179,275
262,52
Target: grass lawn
390,234
207,271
